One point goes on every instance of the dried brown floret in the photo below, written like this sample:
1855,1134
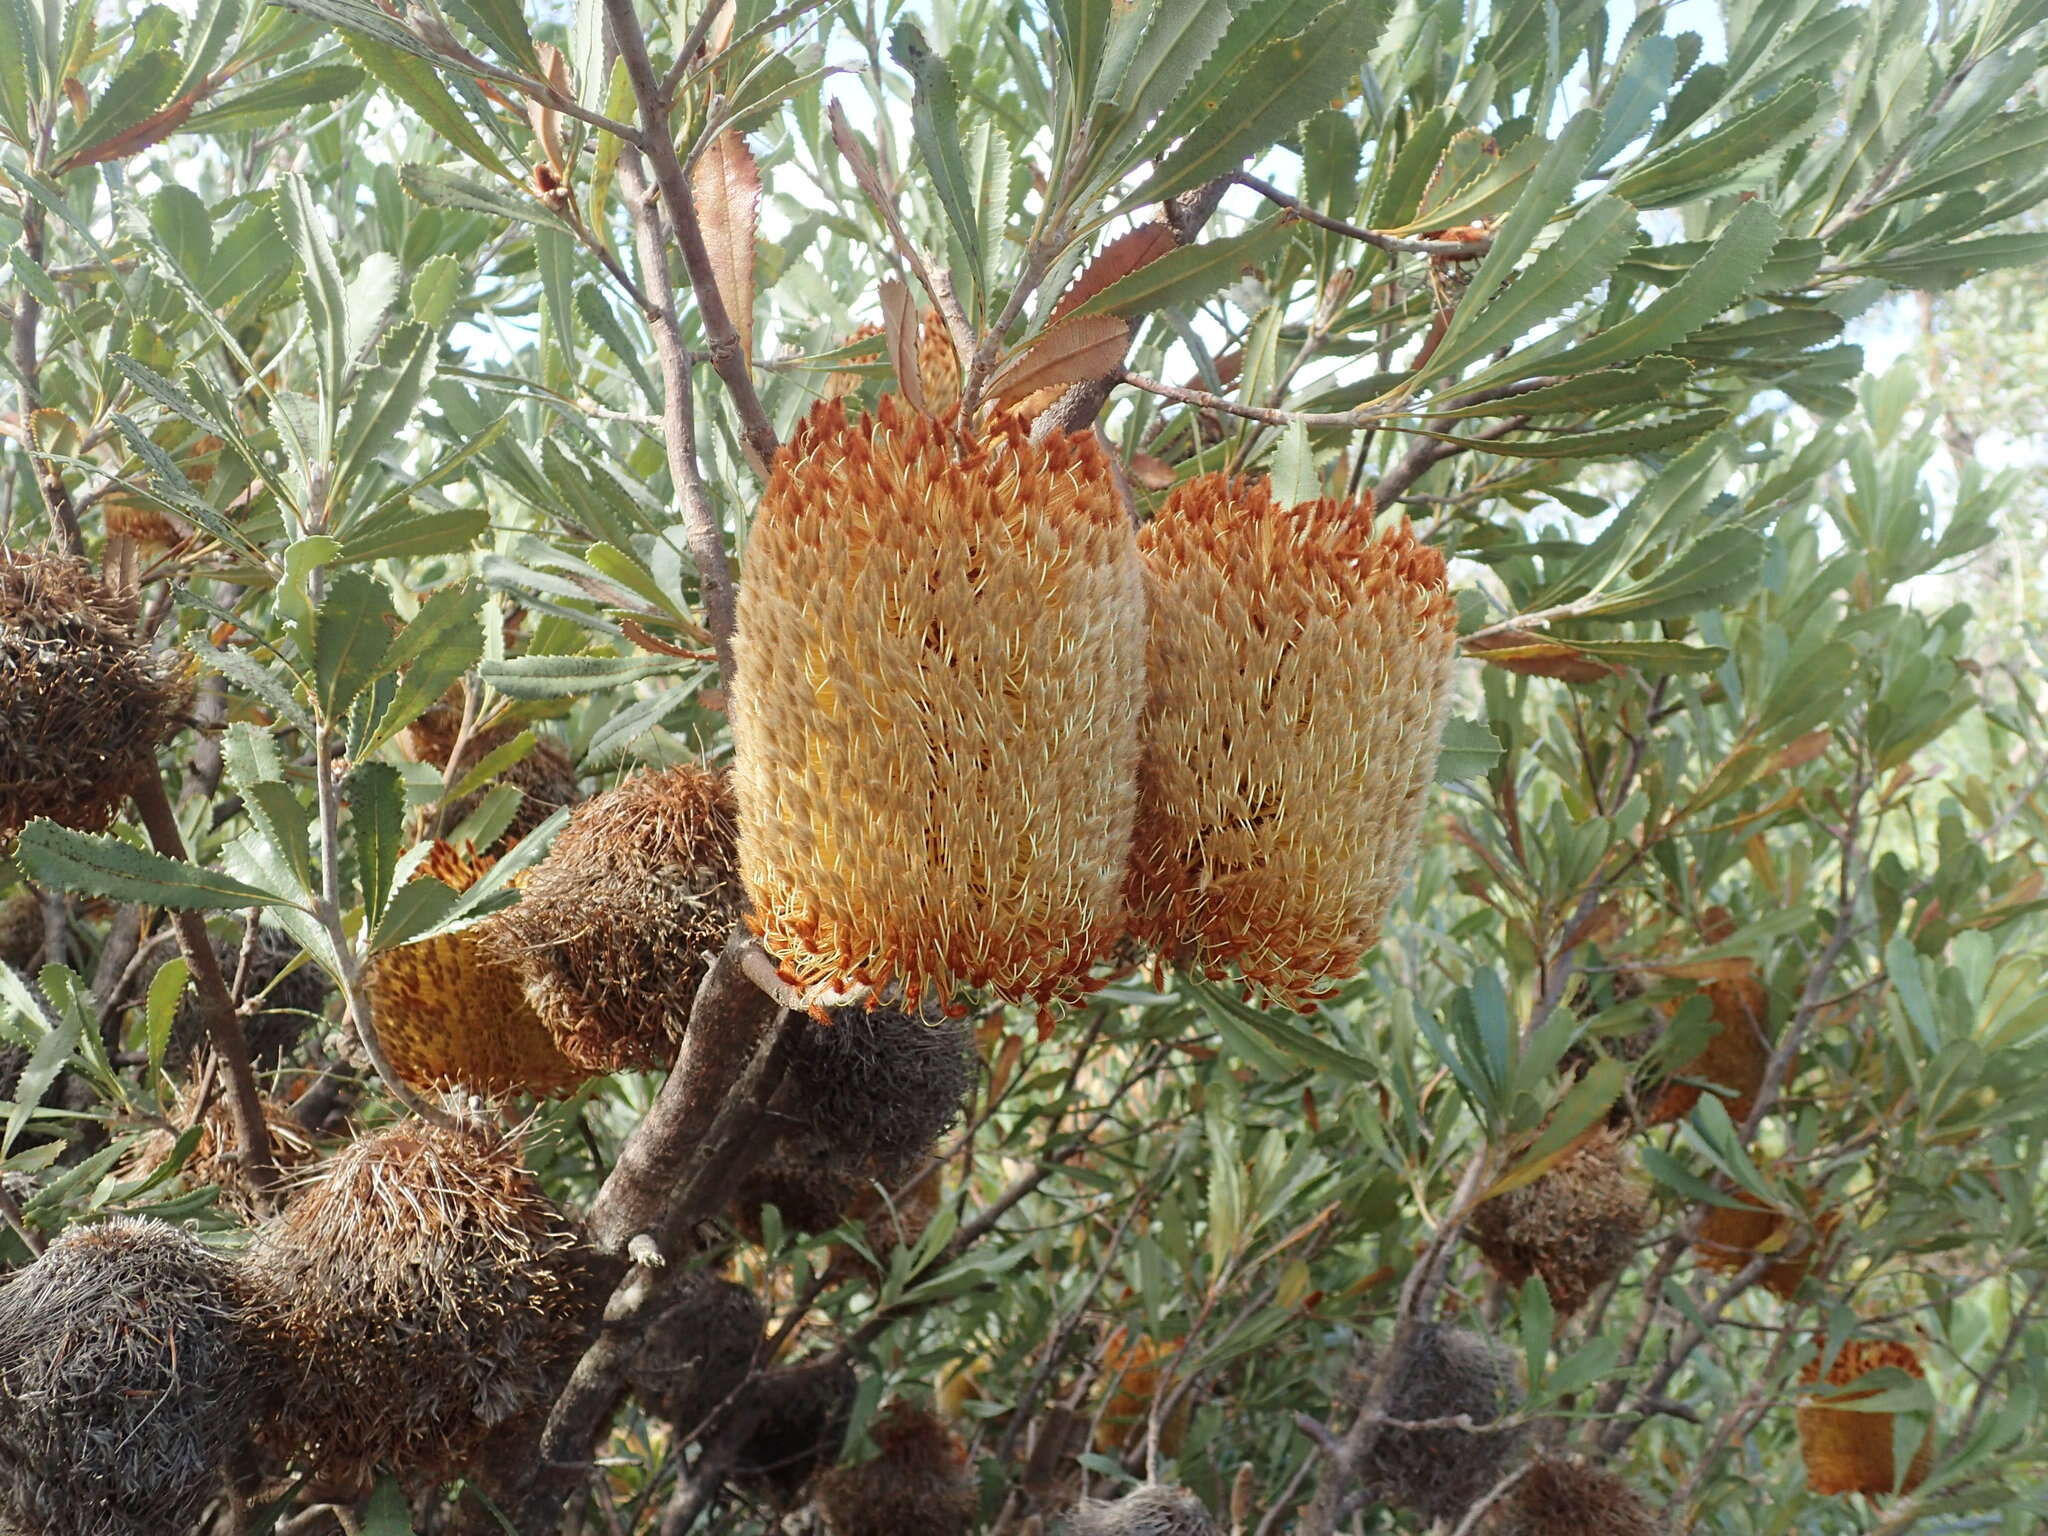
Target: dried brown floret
545,777
422,1291
1446,1373
1576,1225
800,1418
291,1001
1300,668
883,1084
215,1157
810,1186
1847,1451
616,926
697,1350
84,704
1557,1497
1152,1510
935,721
451,1013
129,1374
918,1485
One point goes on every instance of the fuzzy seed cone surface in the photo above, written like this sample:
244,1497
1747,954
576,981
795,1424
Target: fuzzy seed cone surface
545,777
808,1185
21,931
883,1084
1731,1236
1152,1510
290,1004
215,1157
1850,1452
423,1291
919,1484
697,1350
129,1375
613,929
1576,1225
938,364
1735,1060
83,704
450,1014
803,1414
941,672
1300,670
1569,1498
1440,1473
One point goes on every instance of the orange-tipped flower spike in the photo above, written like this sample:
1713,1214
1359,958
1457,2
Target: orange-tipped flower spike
1300,667
941,657
1846,1451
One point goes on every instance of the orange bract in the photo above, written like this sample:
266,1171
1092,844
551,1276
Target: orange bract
1850,1452
448,1015
935,721
1300,667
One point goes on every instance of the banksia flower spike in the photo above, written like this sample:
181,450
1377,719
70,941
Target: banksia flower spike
941,672
84,703
801,1415
422,1291
1576,1225
129,1375
215,1156
449,1014
615,927
1846,1451
938,364
1556,1497
883,1084
1300,666
1733,1061
918,1485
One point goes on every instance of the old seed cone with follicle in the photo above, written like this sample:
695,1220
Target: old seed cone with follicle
422,1291
615,928
1847,1451
129,1375
215,1157
877,1084
800,1414
1446,1373
283,1001
918,1485
1576,1225
1556,1497
1300,666
935,721
697,1350
1151,1510
84,703
451,1014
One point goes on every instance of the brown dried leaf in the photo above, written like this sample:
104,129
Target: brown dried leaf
899,330
1803,751
727,186
1081,347
545,121
863,168
1151,472
1118,259
1519,650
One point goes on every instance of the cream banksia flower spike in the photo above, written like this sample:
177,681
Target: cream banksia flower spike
941,655
1300,666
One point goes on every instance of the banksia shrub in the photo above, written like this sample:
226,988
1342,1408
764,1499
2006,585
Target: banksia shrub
697,1350
1850,1452
128,1379
1575,1225
615,927
1152,1510
884,1084
84,704
1300,667
1440,1473
452,1014
422,1292
1730,1237
291,1001
918,1484
800,1417
941,672
1556,1497
544,777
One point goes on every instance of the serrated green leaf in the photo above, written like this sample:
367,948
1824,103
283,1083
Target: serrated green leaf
139,88
1719,569
1616,442
384,402
446,189
1585,1102
434,290
278,97
1498,183
325,295
280,816
351,637
53,1052
376,802
1654,378
19,64
166,987
443,642
555,677
1470,749
107,866
935,126
1710,163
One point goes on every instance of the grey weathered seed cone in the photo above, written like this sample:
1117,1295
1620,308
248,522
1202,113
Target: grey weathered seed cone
1153,1510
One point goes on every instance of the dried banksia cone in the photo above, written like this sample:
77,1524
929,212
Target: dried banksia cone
21,930
918,1484
1137,1369
1850,1452
544,777
291,1001
215,1157
84,703
451,1014
1439,1473
1300,670
811,1189
697,1351
423,1291
1575,1225
1153,1510
884,1084
1556,1497
129,1375
800,1418
1731,1237
616,926
1734,1061
941,672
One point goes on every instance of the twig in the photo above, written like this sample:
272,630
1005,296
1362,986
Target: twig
1393,244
